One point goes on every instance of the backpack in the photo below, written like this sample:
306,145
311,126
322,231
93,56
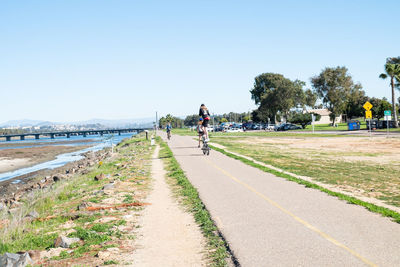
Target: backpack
205,114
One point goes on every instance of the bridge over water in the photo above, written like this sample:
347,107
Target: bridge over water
68,134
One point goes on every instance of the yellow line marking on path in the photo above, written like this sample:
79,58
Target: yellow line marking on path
303,222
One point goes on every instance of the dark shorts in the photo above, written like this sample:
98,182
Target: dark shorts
205,123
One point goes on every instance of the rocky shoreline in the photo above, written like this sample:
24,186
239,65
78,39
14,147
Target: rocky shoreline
12,190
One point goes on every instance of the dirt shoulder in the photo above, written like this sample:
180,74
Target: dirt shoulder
168,235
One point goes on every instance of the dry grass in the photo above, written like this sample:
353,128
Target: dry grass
368,167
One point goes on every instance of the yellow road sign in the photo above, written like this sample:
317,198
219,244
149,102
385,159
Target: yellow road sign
367,106
368,114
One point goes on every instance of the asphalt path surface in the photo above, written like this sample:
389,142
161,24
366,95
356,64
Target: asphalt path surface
269,221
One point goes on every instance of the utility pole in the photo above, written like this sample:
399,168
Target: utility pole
213,122
156,124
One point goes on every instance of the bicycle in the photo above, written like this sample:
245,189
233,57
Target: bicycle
206,149
169,135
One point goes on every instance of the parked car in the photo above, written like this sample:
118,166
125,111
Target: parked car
383,124
270,127
287,127
237,125
234,130
219,128
373,123
279,126
247,125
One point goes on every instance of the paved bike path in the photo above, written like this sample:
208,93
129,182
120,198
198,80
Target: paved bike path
269,221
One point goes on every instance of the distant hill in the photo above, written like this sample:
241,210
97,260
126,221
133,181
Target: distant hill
118,123
22,123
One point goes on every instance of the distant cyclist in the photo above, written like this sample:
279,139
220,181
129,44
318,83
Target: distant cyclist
200,129
205,115
168,129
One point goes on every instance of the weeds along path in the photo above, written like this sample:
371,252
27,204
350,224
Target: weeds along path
168,235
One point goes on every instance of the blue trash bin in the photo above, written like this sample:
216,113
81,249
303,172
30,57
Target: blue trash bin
353,125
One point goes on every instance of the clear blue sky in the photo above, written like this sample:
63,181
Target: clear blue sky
76,60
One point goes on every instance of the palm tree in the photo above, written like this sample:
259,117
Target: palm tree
392,69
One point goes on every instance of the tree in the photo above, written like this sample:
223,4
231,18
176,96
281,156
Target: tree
354,103
162,122
169,118
191,120
175,121
274,93
333,86
223,120
303,118
379,106
392,69
310,98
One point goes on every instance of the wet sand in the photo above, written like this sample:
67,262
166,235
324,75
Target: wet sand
14,159
7,164
41,143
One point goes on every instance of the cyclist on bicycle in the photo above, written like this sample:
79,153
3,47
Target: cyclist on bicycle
168,129
205,115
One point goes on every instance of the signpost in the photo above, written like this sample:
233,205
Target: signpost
388,117
313,120
368,114
367,106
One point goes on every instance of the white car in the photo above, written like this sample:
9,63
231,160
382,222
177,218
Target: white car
270,127
234,130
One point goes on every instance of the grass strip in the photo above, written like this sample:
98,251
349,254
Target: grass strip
294,133
352,200
218,247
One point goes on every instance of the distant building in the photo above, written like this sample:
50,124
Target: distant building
325,119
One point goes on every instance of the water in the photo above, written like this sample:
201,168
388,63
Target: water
99,142
42,145
58,139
